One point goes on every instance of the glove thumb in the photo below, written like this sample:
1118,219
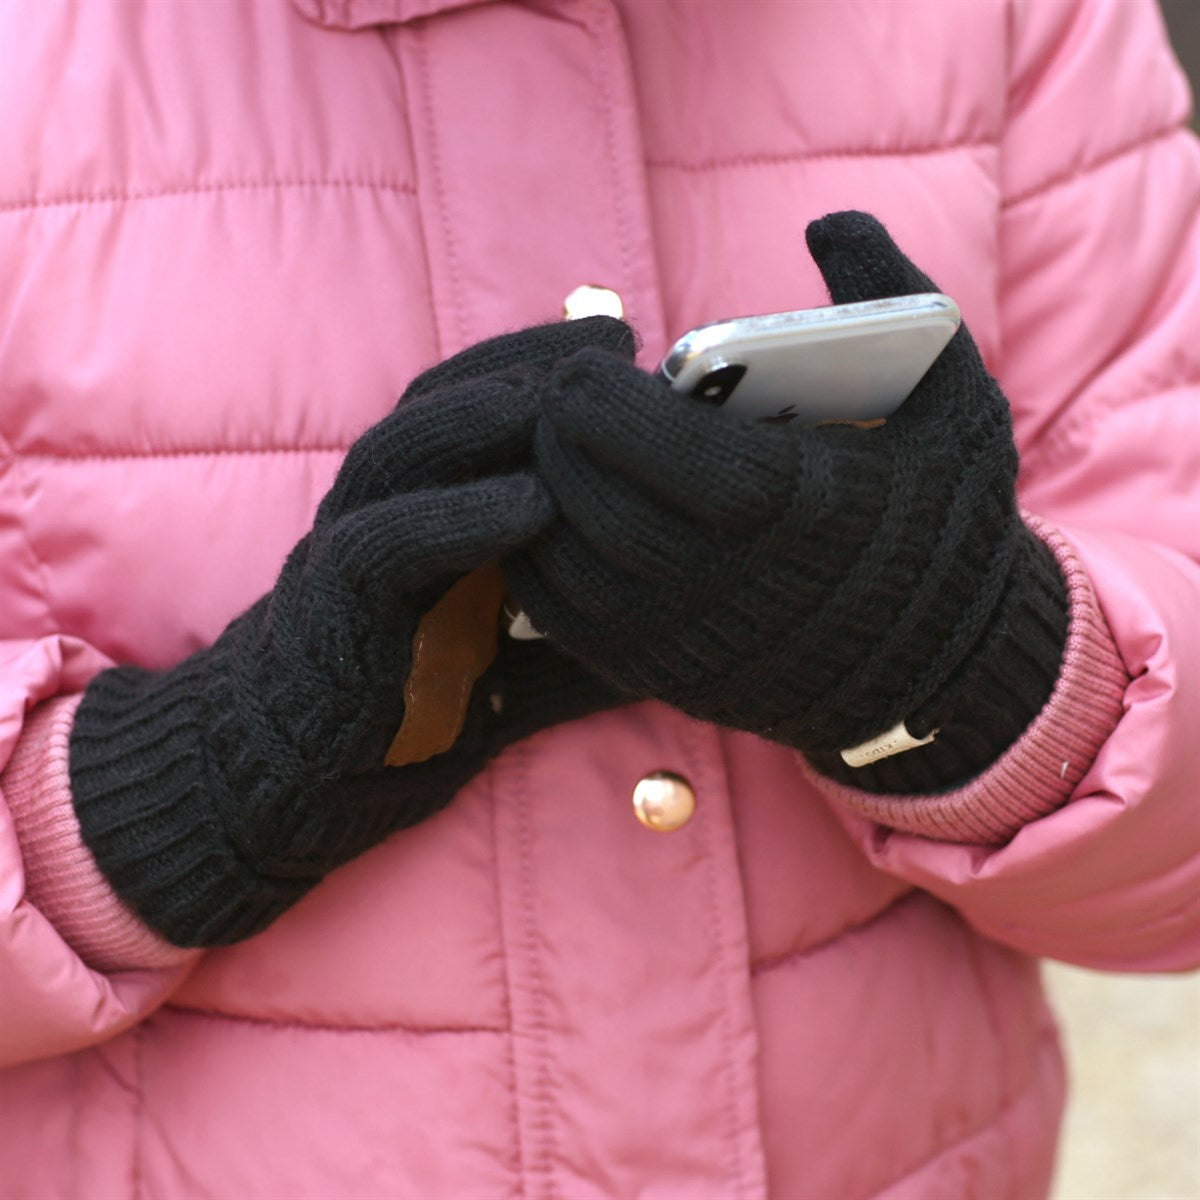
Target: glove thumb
859,261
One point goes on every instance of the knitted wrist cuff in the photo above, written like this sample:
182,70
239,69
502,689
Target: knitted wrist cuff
1039,773
142,797
983,708
61,877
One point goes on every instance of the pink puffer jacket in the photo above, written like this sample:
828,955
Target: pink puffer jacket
231,234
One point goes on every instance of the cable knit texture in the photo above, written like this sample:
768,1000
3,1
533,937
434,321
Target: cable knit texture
215,794
812,585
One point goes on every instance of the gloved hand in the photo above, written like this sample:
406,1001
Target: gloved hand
817,586
214,794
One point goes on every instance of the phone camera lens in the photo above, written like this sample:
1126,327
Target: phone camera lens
717,386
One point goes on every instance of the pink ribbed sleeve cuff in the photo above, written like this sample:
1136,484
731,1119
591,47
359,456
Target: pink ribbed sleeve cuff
61,878
1041,769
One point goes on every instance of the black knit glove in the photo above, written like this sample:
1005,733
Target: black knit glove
817,586
214,794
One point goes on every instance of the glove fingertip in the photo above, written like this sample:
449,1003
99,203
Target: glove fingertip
523,352
606,333
826,234
859,260
610,408
527,497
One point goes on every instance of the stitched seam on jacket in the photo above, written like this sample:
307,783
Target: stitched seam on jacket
734,1161
783,157
1055,440
40,566
600,80
1185,914
763,965
421,57
139,1100
392,39
205,1014
205,189
542,1118
988,1001
1142,142
121,456
71,1140
1001,1114
510,1049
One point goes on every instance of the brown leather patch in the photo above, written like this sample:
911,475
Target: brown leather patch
454,644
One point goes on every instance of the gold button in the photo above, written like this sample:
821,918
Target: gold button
592,300
663,801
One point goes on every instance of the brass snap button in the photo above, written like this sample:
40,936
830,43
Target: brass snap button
592,300
664,801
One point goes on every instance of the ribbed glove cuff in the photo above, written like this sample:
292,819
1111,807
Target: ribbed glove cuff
999,688
143,797
205,857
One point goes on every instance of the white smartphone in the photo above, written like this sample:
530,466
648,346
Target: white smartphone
851,362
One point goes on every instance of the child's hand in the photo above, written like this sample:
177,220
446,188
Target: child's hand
214,794
817,586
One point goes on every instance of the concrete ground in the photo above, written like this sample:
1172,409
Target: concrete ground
1133,1123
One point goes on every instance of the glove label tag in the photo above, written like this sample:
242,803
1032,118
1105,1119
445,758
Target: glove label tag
895,741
